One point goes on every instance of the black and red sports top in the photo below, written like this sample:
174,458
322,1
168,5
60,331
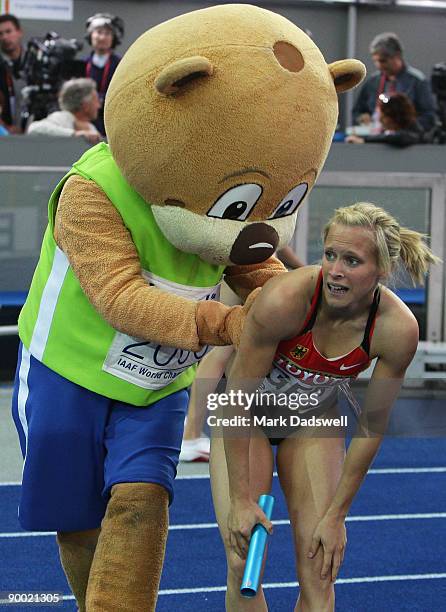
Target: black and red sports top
299,366
300,353
299,369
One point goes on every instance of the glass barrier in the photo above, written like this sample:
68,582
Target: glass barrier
23,219
417,200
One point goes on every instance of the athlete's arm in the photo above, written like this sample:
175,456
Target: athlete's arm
276,314
385,383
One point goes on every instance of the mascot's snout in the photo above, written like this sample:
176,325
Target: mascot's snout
255,243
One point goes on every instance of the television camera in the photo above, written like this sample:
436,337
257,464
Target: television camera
48,63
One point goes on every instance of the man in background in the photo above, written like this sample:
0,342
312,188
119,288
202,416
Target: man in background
12,55
79,103
393,75
104,33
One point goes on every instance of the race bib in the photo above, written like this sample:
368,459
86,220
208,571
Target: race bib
279,381
150,365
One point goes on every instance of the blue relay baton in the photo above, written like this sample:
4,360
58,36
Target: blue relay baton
251,576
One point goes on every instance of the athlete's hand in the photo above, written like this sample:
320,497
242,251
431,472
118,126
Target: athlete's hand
331,536
242,518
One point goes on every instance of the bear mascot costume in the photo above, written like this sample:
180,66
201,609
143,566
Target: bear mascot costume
218,123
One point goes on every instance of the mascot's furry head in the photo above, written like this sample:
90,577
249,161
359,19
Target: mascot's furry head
222,119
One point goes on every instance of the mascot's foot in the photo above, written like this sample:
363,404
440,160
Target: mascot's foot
76,550
126,569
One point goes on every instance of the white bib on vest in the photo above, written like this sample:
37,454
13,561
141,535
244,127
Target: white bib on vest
148,364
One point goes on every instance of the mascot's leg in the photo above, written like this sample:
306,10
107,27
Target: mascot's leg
127,564
76,550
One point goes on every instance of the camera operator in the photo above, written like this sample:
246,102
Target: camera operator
11,79
104,33
49,62
79,101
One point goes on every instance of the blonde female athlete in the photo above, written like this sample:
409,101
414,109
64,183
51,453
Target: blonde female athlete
318,323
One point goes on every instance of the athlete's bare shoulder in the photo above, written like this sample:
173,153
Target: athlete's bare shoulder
396,331
393,310
299,281
290,288
285,300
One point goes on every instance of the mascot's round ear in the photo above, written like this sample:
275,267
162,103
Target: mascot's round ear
175,76
347,73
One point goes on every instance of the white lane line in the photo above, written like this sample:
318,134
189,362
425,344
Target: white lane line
179,527
427,470
27,534
371,517
289,585
397,517
406,470
409,470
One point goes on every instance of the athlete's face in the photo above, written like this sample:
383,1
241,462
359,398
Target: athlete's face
349,266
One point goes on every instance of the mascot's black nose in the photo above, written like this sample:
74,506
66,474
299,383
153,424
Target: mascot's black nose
255,243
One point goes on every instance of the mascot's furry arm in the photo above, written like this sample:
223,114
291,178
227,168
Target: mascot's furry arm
90,231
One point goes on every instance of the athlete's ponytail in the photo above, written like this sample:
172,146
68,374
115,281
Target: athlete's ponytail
393,242
415,254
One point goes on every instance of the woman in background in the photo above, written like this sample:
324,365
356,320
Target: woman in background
398,118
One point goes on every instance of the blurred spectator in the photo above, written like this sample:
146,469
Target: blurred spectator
393,76
79,101
12,56
399,121
104,33
3,130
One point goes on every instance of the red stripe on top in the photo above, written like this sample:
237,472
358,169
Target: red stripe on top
299,353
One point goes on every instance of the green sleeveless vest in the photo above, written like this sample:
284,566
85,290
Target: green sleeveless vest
60,327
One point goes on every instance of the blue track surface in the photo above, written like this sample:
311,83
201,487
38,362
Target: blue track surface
393,564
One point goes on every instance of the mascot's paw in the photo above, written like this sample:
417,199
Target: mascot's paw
220,325
235,319
210,319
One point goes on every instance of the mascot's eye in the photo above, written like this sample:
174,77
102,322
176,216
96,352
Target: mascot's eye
236,203
290,202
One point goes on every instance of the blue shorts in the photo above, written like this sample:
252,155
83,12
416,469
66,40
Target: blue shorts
77,444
